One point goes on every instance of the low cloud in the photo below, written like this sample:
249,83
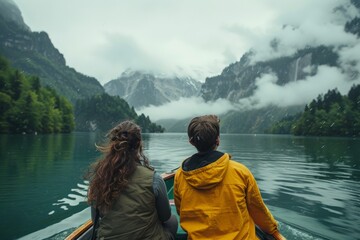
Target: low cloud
292,30
350,60
267,93
186,108
120,50
296,93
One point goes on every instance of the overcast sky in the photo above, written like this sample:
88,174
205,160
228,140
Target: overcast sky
102,38
197,37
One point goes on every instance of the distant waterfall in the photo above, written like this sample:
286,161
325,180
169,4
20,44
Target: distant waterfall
296,68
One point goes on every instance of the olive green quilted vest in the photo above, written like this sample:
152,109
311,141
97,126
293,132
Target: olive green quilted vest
133,216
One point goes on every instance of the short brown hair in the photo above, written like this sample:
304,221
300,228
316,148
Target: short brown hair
203,132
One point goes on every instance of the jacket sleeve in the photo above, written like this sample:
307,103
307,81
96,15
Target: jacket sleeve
161,198
177,197
257,208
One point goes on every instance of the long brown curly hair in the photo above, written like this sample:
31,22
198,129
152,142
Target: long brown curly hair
109,176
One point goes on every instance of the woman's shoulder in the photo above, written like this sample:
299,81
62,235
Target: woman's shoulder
145,168
143,172
157,177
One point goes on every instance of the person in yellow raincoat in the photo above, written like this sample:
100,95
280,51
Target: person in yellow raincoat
216,197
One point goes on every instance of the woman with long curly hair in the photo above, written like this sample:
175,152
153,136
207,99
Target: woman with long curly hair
129,196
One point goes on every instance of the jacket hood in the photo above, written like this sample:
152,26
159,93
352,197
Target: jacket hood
208,176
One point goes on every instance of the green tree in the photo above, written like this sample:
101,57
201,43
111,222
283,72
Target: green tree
328,115
5,106
26,107
354,97
102,112
16,85
67,115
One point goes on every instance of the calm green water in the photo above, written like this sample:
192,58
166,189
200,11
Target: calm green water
310,184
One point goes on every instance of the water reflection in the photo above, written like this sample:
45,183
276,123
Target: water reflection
39,152
337,153
336,167
35,171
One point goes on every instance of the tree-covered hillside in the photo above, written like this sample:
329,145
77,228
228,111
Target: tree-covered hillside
102,112
34,53
26,107
329,115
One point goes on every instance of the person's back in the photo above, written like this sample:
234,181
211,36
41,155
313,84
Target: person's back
129,197
218,198
134,215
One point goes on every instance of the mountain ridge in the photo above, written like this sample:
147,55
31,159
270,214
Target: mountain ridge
237,80
35,54
142,89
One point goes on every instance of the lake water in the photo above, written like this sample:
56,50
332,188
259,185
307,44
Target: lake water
311,185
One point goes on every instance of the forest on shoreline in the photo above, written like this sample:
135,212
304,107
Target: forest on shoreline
27,107
329,115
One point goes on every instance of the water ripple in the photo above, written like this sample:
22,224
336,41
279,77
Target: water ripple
78,196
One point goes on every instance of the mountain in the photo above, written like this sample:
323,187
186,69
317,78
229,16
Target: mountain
141,89
34,53
11,14
237,81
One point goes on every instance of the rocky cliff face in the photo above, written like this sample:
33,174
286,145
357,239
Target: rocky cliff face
141,89
34,53
237,81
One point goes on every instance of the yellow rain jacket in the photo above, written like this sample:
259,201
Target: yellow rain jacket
221,201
